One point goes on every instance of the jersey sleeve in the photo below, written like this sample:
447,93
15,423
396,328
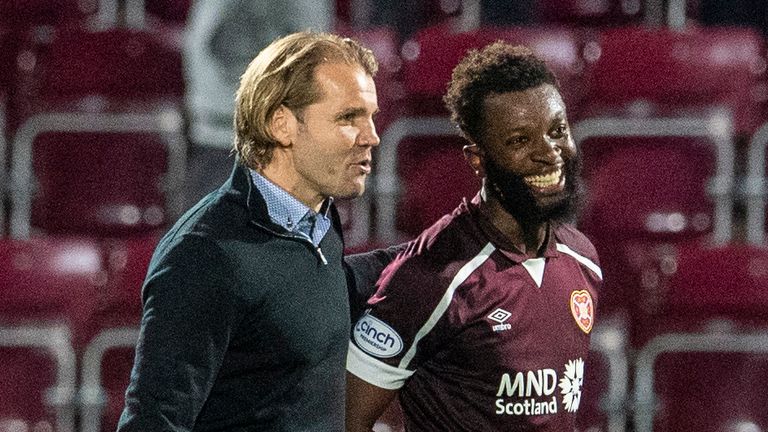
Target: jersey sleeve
401,327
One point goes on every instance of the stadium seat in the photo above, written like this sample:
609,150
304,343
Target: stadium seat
97,123
112,332
725,281
604,396
434,178
55,279
26,13
82,69
753,188
105,372
38,379
657,71
708,339
106,174
50,286
651,184
601,13
429,59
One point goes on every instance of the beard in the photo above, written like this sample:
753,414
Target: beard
515,196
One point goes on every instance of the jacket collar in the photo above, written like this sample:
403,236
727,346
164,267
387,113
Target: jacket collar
241,189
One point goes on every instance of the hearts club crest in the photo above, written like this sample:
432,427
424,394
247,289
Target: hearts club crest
583,310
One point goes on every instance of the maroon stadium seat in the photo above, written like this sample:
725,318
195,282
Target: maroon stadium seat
78,69
37,379
50,286
50,279
430,57
434,178
652,183
98,124
720,281
25,13
589,13
107,183
705,354
657,70
112,332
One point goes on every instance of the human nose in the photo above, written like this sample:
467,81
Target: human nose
549,151
368,135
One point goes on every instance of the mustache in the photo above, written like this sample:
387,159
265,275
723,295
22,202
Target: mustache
514,194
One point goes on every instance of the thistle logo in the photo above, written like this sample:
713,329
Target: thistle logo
500,315
570,384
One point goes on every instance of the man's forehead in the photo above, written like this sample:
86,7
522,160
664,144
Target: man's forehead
534,100
344,81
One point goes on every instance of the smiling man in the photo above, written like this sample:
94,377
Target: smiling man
483,322
246,311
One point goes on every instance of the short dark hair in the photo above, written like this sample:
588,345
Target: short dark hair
495,69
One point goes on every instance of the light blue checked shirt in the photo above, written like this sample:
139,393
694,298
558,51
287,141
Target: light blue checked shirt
290,213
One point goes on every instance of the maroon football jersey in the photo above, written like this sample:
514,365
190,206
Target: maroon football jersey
479,338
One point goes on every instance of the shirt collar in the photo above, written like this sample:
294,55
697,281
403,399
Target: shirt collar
500,241
283,208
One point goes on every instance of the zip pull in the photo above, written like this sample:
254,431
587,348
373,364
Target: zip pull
322,257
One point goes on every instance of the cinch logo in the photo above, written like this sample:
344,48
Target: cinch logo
500,315
377,338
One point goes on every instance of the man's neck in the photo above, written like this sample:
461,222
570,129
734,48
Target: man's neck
528,239
282,172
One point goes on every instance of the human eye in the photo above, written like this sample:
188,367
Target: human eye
560,131
348,116
518,141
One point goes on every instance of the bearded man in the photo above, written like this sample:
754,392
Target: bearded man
483,322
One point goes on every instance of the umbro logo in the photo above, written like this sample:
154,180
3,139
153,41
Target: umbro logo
500,315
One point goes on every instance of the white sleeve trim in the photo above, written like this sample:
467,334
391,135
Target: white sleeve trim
586,262
374,371
445,301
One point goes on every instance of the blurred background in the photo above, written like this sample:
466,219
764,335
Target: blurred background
115,116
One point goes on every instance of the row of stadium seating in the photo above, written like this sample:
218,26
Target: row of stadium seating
70,322
101,112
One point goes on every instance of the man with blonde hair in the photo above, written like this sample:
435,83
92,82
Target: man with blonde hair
246,309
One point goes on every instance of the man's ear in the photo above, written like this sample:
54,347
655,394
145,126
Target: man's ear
283,126
474,156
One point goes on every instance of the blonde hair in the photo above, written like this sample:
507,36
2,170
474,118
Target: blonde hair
283,73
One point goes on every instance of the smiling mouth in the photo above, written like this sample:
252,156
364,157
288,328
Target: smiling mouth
546,181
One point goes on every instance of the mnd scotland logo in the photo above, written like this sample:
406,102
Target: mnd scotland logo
532,393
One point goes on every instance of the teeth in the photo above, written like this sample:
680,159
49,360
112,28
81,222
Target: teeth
550,179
